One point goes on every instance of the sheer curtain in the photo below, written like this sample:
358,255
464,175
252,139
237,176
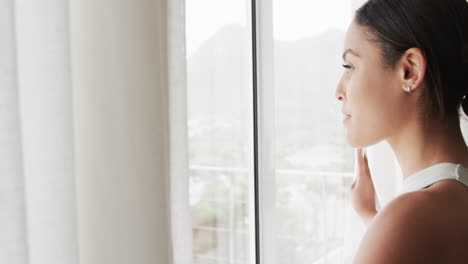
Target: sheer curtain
92,138
38,216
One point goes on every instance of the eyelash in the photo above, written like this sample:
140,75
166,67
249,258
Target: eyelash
347,66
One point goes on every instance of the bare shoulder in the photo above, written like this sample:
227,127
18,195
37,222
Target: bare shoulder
407,230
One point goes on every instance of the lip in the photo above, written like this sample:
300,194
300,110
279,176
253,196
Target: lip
346,118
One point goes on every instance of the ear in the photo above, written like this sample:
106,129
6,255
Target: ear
413,68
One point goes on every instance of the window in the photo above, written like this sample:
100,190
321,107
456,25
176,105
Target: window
313,167
219,77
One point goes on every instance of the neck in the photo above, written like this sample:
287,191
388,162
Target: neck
417,146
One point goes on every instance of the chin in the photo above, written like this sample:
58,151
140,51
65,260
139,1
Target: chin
355,144
359,140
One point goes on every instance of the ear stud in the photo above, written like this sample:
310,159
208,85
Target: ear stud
408,89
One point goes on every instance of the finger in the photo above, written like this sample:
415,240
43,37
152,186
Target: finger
360,156
357,157
357,165
365,162
362,163
358,152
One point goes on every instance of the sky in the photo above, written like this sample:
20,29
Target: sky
292,19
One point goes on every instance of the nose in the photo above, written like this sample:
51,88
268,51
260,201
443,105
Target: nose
339,93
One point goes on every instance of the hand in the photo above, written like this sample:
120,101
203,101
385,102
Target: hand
362,189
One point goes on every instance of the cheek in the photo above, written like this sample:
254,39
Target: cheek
363,95
371,95
372,110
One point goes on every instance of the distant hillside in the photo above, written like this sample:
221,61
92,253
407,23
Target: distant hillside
219,73
306,74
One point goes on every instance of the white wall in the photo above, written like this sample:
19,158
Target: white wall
117,72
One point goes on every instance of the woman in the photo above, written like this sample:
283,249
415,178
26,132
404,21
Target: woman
406,80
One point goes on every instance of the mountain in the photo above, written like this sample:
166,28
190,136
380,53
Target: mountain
306,74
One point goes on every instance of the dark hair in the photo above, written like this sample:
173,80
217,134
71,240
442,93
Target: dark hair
439,28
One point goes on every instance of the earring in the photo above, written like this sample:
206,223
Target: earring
409,89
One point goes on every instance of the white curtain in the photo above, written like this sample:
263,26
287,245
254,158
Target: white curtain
92,143
177,133
38,216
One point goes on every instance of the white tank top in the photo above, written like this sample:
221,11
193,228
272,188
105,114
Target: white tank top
441,171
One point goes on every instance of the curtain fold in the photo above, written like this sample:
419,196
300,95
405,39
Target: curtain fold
176,147
92,133
44,92
36,126
121,121
12,216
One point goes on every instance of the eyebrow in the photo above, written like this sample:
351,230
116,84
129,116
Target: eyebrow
350,51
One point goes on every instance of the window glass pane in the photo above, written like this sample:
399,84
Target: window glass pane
219,72
314,166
